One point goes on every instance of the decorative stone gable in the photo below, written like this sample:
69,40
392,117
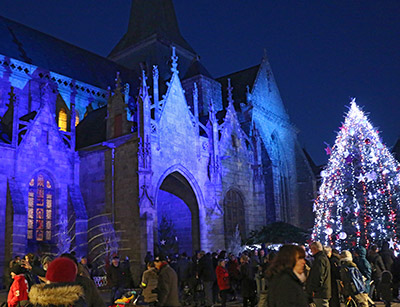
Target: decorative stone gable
43,135
176,122
265,96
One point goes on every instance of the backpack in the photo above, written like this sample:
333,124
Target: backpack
356,280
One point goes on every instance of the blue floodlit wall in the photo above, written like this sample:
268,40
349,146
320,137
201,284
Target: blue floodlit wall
176,211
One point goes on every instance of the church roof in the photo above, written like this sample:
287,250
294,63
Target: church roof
196,68
239,80
92,129
148,18
25,44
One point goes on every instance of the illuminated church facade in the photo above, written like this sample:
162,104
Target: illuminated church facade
95,152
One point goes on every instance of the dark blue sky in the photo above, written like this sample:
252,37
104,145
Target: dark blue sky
322,52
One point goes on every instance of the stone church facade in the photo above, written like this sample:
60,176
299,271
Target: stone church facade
96,152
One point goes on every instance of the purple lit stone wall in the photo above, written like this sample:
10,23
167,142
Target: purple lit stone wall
178,212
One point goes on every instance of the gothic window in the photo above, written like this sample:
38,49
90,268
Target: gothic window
234,214
62,119
40,208
76,118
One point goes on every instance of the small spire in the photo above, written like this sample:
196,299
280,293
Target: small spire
230,88
265,56
155,72
143,88
174,58
118,82
196,100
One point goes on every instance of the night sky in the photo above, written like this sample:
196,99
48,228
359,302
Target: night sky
321,52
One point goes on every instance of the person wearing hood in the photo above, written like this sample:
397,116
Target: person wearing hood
363,265
18,294
61,289
352,280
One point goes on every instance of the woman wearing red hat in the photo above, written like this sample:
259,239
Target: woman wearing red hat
61,289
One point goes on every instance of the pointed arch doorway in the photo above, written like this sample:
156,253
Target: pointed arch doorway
177,215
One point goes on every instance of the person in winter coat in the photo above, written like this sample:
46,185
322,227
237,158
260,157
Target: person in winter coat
149,283
285,278
349,290
387,256
167,283
234,273
319,279
116,279
92,295
206,273
377,268
183,270
334,261
386,288
223,280
363,265
61,289
248,284
18,293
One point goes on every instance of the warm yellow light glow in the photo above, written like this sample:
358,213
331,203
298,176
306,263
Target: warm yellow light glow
62,120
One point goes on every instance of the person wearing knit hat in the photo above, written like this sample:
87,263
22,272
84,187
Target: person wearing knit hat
92,295
61,288
352,279
18,294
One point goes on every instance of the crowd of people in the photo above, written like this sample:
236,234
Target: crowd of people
51,282
293,276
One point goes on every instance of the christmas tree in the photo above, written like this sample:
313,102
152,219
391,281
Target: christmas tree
359,195
167,237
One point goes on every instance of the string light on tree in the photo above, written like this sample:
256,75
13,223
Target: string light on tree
360,193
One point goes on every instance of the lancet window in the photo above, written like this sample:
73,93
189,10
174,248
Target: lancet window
40,208
62,119
234,214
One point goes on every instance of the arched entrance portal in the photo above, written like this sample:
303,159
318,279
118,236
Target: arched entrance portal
177,215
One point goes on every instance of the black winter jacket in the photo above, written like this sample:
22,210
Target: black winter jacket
205,269
116,276
377,265
248,283
286,290
319,279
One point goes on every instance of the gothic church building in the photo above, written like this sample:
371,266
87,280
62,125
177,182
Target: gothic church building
96,153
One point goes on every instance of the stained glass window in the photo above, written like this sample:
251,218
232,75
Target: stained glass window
62,120
233,214
40,204
76,118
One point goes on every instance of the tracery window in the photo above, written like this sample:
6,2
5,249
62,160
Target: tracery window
234,214
62,119
40,208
